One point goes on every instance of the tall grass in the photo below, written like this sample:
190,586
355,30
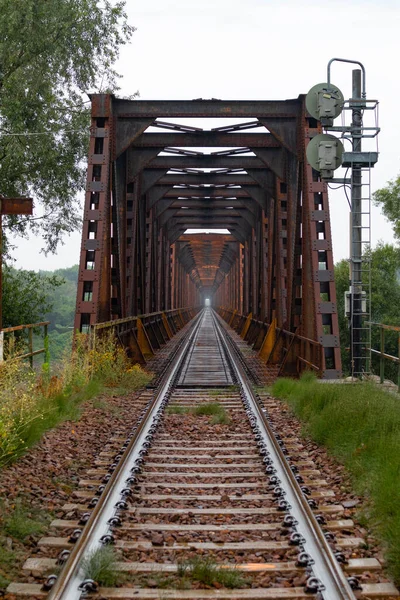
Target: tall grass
206,571
214,409
101,566
30,403
360,425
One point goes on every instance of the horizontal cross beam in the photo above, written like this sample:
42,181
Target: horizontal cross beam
212,203
206,192
248,109
207,162
206,179
206,139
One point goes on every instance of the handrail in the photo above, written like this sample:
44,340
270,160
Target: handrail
115,322
142,335
30,327
381,352
276,345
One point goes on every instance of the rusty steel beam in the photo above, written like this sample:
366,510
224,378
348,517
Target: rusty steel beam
277,261
190,205
206,139
211,192
226,203
319,305
209,222
206,179
217,215
128,109
127,131
94,280
208,162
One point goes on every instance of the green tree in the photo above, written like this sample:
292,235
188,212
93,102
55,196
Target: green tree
388,198
51,53
62,299
26,296
385,298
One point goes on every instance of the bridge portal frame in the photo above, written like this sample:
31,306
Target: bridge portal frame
134,259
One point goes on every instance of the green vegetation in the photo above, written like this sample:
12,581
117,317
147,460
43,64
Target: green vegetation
213,409
359,424
17,523
62,312
30,297
209,408
388,198
23,522
31,404
52,52
100,566
223,391
27,296
8,559
385,301
206,571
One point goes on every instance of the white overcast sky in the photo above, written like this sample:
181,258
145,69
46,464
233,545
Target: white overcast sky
260,49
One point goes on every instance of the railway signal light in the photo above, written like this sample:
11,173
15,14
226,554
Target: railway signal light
324,153
325,102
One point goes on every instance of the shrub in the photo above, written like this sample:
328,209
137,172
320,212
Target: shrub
31,404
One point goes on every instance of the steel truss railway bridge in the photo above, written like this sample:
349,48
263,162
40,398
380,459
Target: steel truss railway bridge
152,176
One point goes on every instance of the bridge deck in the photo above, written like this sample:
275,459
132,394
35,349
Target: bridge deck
206,364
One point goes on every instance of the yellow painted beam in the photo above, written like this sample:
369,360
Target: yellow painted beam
232,317
268,343
246,326
166,325
143,340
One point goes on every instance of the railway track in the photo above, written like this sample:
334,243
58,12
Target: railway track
204,499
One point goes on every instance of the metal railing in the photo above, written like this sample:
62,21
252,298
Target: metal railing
292,352
142,335
10,331
383,356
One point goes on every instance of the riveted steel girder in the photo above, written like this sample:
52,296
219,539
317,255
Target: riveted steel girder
208,162
150,180
205,108
206,179
206,139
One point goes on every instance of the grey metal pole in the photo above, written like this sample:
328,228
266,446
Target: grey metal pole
356,234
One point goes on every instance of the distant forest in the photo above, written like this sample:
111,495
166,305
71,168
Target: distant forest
61,316
30,297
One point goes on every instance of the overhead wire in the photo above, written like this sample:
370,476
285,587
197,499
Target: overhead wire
36,133
28,220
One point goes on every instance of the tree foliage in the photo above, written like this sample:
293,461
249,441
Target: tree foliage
388,198
385,297
52,52
26,296
62,298
30,297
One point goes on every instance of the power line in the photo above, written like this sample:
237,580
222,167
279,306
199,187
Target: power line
36,133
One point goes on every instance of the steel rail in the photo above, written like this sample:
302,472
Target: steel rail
333,582
67,586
